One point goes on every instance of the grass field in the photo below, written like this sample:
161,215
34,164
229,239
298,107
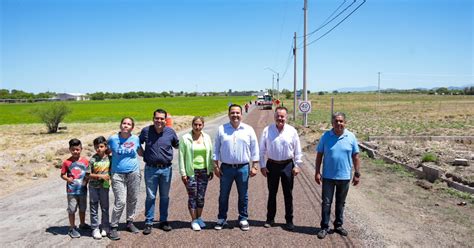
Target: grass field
396,114
114,110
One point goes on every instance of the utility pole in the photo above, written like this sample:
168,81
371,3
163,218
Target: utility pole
305,91
294,79
273,84
379,90
278,85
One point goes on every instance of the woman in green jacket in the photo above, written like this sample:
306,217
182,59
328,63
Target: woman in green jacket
196,168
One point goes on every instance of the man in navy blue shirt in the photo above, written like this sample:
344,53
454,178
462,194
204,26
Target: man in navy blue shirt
339,149
158,153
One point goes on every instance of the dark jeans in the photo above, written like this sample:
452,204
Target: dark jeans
241,177
341,187
276,173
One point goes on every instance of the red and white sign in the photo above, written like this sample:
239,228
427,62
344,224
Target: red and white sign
304,107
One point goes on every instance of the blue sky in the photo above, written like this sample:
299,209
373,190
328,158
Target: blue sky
215,45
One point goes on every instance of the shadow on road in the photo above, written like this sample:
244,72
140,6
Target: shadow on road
63,230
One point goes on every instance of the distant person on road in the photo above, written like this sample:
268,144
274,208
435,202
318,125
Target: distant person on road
196,168
236,147
73,171
339,149
247,108
99,184
158,154
280,143
125,175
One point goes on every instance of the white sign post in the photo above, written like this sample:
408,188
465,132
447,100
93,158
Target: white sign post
304,107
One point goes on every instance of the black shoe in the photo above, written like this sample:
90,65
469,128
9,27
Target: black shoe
147,229
165,226
113,234
322,233
341,231
85,227
131,227
269,223
289,226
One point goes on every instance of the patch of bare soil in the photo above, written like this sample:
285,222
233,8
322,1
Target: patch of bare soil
29,155
393,208
412,152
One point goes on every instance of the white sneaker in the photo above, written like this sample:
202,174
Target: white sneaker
201,222
220,224
195,225
244,225
96,234
103,232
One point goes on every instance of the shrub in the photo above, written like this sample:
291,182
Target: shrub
429,157
52,115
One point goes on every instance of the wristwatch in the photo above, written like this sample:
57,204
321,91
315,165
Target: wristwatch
356,174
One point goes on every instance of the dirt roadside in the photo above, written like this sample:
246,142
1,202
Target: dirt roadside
388,209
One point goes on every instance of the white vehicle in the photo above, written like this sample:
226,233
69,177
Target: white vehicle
265,101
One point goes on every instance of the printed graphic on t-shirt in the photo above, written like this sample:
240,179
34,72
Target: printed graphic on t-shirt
101,166
126,148
77,170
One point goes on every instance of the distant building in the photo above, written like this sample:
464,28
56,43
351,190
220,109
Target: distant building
71,97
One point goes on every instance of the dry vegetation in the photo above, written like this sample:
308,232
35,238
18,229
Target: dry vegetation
28,154
404,115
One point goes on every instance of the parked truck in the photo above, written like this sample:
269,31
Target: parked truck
265,101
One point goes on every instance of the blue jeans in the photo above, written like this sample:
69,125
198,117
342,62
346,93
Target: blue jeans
154,178
329,186
241,177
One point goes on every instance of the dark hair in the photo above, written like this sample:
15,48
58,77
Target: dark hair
161,111
74,142
338,114
130,118
235,105
99,140
198,118
280,108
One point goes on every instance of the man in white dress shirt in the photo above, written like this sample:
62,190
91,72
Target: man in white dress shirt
236,147
280,144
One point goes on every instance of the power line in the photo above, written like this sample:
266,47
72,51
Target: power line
288,61
320,37
332,19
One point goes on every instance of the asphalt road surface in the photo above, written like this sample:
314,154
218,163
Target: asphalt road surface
37,217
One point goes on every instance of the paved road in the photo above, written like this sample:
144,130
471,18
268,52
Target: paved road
37,217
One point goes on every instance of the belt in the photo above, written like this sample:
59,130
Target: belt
280,162
158,165
235,165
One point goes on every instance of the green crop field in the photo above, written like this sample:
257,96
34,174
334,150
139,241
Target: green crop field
114,110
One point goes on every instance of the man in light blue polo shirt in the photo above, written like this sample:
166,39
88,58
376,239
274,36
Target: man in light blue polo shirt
338,150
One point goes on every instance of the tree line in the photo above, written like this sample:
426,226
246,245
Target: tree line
19,94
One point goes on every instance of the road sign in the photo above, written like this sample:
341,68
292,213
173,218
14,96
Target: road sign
304,107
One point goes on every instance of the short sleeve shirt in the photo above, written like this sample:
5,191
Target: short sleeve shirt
337,154
99,165
124,153
77,170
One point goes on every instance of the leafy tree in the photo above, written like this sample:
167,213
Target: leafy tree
442,91
469,90
53,114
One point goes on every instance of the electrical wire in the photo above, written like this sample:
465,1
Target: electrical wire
320,37
332,19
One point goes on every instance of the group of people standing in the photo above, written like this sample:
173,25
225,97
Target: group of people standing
235,155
